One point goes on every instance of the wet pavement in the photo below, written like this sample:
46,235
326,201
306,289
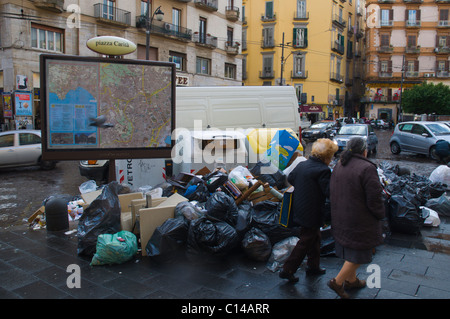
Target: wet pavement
36,264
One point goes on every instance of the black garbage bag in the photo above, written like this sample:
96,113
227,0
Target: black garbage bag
188,210
215,179
209,238
102,216
198,192
404,216
244,218
256,245
168,240
440,205
266,216
223,207
275,178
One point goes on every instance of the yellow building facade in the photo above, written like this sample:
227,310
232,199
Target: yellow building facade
315,46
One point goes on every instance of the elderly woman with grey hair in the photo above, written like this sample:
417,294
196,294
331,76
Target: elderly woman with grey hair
357,208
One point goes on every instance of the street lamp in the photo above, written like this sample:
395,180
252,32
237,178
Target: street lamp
159,16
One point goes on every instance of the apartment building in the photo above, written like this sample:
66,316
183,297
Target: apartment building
202,37
315,46
408,42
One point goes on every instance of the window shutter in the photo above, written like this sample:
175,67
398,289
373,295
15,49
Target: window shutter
294,37
305,37
416,66
389,66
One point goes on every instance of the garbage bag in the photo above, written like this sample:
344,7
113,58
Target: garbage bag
433,217
441,174
269,173
404,216
215,179
244,218
266,216
210,238
188,211
256,245
281,252
223,207
240,176
441,205
115,248
102,216
168,240
198,192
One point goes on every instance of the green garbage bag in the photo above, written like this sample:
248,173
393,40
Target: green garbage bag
115,248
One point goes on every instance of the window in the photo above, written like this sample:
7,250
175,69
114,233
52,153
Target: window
176,19
443,17
269,10
203,66
301,9
411,41
385,39
144,7
46,38
29,139
300,37
108,9
230,71
442,41
7,140
386,17
299,65
412,17
267,65
179,59
202,30
230,36
268,37
419,129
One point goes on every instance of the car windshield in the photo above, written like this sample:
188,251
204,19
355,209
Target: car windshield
439,129
319,125
352,130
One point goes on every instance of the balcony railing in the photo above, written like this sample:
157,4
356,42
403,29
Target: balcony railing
412,74
385,49
164,28
111,14
206,40
413,23
442,74
385,74
267,74
339,20
267,44
443,24
301,15
268,18
386,23
232,13
232,47
412,49
336,77
299,75
208,5
337,47
442,50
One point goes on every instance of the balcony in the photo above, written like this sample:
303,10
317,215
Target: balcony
268,18
232,13
386,23
267,74
165,29
50,5
412,1
386,1
232,47
415,49
267,43
339,21
205,40
112,15
337,47
336,77
442,1
443,23
442,74
299,75
207,5
301,16
442,50
412,74
413,23
185,1
385,74
386,49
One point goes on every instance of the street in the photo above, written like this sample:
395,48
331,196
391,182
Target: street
23,190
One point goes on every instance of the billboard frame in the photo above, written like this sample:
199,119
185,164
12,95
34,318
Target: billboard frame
100,153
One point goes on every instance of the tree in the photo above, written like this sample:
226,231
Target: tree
427,98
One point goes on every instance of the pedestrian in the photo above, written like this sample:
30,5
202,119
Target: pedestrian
442,151
311,181
357,208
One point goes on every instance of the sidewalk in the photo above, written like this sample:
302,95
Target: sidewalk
33,264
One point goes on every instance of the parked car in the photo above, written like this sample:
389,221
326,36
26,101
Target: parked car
349,131
96,170
320,129
22,148
418,137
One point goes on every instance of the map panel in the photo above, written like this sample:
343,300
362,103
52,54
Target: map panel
108,105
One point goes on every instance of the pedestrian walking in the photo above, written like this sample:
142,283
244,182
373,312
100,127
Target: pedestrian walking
311,181
357,208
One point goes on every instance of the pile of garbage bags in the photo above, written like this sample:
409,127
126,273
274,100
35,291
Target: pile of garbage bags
413,201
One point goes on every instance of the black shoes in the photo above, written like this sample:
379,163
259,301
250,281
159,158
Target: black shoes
315,271
290,277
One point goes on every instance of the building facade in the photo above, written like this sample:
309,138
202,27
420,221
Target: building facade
408,42
202,37
315,46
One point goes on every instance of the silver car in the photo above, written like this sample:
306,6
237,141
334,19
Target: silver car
418,137
349,131
22,148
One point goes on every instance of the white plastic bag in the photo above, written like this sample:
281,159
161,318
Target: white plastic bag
240,176
281,252
433,217
441,174
87,187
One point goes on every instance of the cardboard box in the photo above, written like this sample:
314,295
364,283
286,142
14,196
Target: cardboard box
151,218
126,217
281,148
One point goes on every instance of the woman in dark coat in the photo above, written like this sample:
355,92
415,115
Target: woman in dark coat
311,181
356,211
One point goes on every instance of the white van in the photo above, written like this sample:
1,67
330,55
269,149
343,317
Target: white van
218,108
234,107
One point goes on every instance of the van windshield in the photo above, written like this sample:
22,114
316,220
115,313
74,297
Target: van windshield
439,129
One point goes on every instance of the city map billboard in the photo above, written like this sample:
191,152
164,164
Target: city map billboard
104,108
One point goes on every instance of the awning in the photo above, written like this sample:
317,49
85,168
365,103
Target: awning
311,108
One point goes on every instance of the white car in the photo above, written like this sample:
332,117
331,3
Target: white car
22,148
